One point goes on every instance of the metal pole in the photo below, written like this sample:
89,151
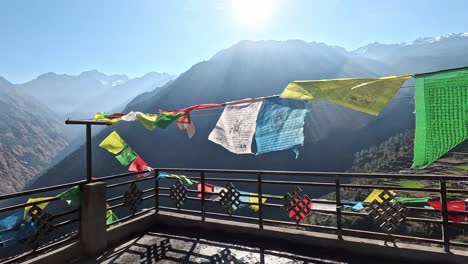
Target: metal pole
260,198
89,162
156,191
444,214
338,207
202,181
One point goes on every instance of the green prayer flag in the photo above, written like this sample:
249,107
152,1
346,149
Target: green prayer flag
111,219
71,196
182,178
441,114
153,121
126,156
412,200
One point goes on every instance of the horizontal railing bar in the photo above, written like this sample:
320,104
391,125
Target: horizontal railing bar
115,198
456,191
458,244
385,236
87,122
319,184
115,206
17,206
40,190
413,219
116,176
110,186
278,222
67,222
324,174
393,188
229,179
164,188
77,210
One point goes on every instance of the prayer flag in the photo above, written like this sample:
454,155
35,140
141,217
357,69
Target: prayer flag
368,95
153,121
280,126
375,195
441,114
132,116
254,199
411,200
101,116
71,196
126,156
147,120
113,143
184,122
211,191
40,205
139,165
15,228
454,206
184,179
236,127
110,216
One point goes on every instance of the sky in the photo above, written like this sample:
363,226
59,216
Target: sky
136,37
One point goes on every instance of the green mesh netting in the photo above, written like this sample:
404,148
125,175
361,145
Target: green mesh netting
441,114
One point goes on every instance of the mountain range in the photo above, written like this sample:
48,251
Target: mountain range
261,68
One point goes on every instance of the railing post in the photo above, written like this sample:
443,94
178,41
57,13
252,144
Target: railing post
93,228
156,192
202,181
260,198
338,207
89,162
444,214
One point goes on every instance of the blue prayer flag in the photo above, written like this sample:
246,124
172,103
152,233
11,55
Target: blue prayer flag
280,126
14,228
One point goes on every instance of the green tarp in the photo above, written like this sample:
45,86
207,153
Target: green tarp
441,114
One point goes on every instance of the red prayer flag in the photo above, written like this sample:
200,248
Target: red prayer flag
138,165
208,188
454,206
115,115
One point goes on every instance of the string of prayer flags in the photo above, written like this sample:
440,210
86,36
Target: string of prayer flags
375,195
199,107
113,143
184,179
101,116
236,127
184,122
127,156
452,206
15,228
280,126
139,165
71,196
40,205
368,95
130,117
441,114
153,121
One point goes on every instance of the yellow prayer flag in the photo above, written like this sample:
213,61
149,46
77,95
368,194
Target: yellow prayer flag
375,196
113,143
101,116
108,212
40,205
254,199
368,95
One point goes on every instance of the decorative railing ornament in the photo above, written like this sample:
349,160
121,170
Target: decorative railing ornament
388,214
42,222
178,193
299,207
133,198
230,198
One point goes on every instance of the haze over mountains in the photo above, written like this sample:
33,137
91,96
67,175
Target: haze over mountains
250,69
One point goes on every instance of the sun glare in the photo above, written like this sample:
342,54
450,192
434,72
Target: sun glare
252,12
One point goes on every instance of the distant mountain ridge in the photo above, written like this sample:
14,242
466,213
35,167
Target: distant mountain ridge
84,93
259,68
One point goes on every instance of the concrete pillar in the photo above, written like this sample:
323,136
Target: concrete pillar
93,228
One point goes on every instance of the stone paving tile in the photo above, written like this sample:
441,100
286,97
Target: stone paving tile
163,248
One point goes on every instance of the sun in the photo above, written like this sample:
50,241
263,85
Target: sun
252,13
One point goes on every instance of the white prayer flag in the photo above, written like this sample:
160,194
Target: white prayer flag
236,127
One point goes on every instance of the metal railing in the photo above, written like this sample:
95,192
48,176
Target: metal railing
52,225
272,211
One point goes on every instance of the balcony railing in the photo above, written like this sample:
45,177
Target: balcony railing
287,197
